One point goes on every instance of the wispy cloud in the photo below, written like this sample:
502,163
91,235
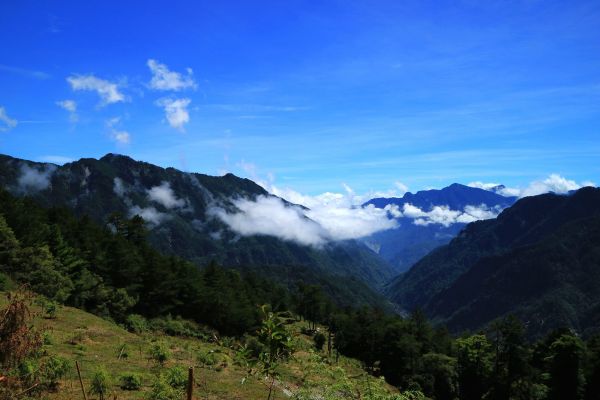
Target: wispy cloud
71,107
35,179
256,108
118,135
443,215
164,195
25,72
176,111
167,80
108,91
7,123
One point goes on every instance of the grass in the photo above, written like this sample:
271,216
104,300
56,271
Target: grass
96,343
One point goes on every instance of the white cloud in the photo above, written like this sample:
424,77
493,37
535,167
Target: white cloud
443,215
175,111
164,79
71,107
7,122
118,135
271,216
108,91
352,223
554,183
402,188
33,179
496,188
330,217
119,187
121,137
483,185
164,195
149,214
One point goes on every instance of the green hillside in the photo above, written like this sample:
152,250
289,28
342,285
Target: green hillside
96,343
118,185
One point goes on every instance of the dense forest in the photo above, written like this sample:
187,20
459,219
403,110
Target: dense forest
111,271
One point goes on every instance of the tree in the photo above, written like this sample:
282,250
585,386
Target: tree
566,373
511,366
474,366
277,346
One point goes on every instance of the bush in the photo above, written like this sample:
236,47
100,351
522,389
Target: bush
176,377
177,327
162,390
137,324
207,359
27,371
47,338
51,309
160,353
54,369
131,382
319,340
6,284
101,382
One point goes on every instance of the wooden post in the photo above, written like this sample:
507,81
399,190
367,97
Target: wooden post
190,388
80,381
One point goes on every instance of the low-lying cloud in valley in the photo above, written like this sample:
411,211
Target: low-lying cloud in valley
271,216
443,215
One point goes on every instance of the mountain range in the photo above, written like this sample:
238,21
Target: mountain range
177,208
539,260
415,237
464,255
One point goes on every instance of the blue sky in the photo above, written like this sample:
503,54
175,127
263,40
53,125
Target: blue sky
309,94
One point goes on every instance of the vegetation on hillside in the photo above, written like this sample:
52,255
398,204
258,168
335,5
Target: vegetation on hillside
539,260
111,271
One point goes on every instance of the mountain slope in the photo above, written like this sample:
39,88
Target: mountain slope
404,246
177,206
539,255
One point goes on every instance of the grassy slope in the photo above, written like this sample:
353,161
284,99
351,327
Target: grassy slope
94,342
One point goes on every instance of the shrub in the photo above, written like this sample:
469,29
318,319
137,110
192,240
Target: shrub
54,369
162,390
319,340
51,309
101,382
178,327
28,371
207,358
176,377
131,381
137,324
122,351
160,353
47,338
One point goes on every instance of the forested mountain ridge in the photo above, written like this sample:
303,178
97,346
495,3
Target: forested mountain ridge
176,206
405,245
540,259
